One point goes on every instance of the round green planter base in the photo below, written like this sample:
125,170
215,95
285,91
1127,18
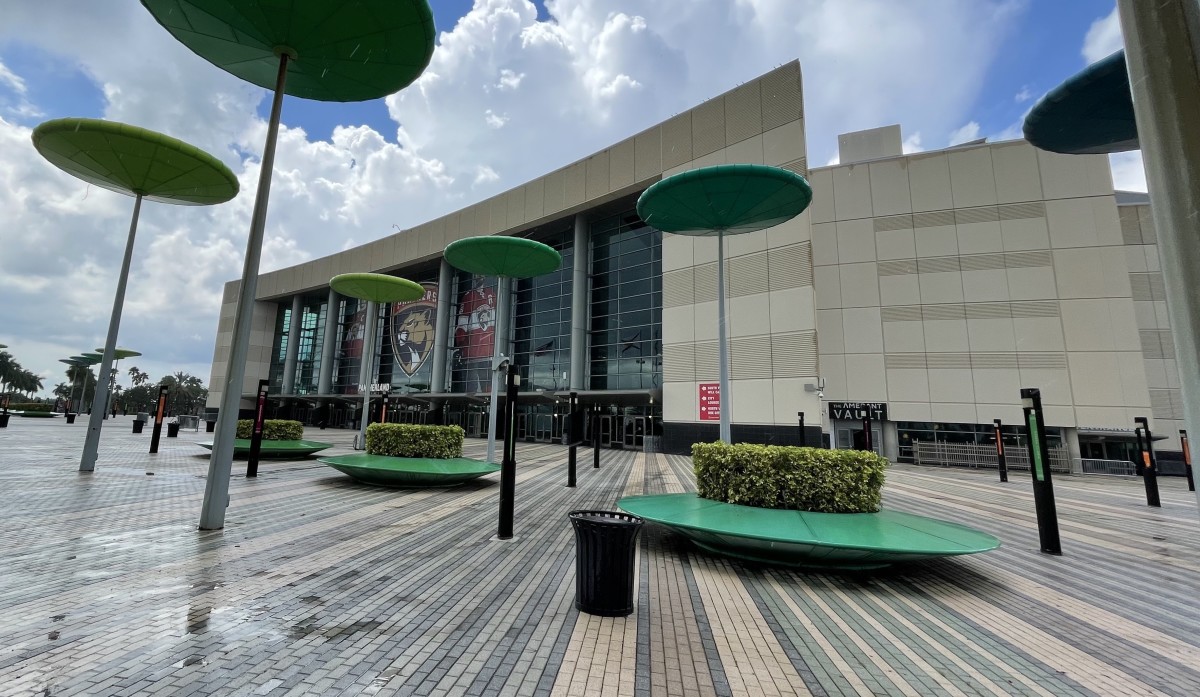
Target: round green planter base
805,539
275,449
381,470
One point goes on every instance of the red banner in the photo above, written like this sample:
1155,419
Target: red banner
710,401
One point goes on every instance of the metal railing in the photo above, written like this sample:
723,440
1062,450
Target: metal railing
982,456
1116,467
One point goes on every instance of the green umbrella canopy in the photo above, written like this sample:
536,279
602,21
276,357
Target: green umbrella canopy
729,198
338,51
132,160
497,255
86,360
378,287
73,361
120,353
95,357
1092,112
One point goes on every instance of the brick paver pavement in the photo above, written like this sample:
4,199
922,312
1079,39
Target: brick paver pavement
322,586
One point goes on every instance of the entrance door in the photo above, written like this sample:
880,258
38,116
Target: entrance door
543,428
605,431
475,425
634,432
849,438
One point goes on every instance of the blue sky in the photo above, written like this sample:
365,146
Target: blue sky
514,90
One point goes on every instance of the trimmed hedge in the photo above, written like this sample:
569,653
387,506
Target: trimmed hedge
31,406
411,440
804,479
273,429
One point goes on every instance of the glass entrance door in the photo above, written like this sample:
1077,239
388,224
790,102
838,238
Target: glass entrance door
850,438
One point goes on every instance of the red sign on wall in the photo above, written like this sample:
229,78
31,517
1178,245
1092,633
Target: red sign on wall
710,401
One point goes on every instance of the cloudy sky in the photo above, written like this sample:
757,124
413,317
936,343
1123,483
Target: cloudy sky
515,89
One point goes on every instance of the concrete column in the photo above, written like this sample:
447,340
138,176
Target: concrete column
441,328
1071,440
293,347
329,343
579,304
1162,48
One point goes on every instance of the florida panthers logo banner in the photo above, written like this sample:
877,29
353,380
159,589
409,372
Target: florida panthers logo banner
412,330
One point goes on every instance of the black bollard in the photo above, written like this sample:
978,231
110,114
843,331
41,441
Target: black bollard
1187,459
803,437
158,418
1149,463
572,438
596,440
1039,459
1001,461
256,432
508,462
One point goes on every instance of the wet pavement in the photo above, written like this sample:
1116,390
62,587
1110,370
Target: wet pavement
319,585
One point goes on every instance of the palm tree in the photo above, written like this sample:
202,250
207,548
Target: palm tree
138,377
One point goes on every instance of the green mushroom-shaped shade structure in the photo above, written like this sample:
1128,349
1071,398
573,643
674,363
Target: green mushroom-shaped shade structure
135,161
375,288
507,257
93,358
719,201
311,49
729,199
146,165
337,51
1090,113
120,353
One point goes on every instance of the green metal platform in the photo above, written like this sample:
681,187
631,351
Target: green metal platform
382,470
275,449
806,539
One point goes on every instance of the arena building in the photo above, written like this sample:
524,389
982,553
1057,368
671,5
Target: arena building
923,289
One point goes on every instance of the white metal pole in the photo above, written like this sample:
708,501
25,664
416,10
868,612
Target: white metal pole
216,486
499,344
723,341
91,444
1162,50
366,369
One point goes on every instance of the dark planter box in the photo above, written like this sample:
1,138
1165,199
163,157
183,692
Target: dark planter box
173,430
70,418
137,425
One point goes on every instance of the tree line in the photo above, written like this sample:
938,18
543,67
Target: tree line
186,393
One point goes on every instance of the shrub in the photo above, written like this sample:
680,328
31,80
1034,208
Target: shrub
411,440
804,479
31,406
273,429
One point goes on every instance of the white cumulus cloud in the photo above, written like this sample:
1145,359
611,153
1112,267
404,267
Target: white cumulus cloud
583,76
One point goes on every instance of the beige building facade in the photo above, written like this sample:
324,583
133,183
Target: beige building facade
932,286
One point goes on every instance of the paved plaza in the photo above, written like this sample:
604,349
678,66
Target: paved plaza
322,586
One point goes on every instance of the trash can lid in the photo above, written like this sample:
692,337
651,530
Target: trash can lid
608,517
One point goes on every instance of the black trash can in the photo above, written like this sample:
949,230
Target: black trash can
3,420
210,426
173,429
137,425
70,418
604,559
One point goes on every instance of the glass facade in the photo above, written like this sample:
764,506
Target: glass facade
542,325
626,304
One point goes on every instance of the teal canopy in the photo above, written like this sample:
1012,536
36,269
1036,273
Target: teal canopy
1090,113
733,199
497,255
132,160
378,287
120,353
338,51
